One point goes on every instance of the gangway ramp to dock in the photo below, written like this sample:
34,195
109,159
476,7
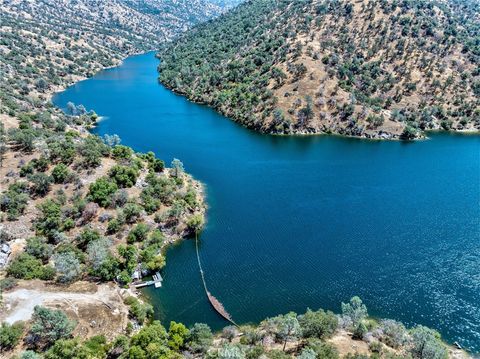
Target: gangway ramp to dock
216,304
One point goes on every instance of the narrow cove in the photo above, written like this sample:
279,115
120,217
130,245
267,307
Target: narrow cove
297,222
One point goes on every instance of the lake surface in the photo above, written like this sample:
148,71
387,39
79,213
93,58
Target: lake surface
297,222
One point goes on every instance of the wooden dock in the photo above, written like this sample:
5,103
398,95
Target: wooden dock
156,281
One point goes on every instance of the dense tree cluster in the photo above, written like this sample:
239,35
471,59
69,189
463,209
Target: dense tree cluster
388,69
122,242
126,190
303,336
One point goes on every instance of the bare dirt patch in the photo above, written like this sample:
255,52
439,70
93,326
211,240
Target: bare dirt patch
98,309
345,344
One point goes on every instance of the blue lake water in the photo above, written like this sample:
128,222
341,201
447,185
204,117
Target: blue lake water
297,222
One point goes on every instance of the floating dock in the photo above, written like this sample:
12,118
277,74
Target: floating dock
156,281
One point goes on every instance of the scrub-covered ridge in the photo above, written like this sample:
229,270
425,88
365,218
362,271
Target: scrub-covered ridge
375,69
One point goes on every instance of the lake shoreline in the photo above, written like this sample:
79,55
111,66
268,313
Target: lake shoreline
102,126
50,95
381,136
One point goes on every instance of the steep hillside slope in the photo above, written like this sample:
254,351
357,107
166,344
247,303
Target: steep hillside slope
52,171
47,44
368,68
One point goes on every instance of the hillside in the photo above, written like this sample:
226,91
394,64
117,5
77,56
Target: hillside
81,216
371,68
46,45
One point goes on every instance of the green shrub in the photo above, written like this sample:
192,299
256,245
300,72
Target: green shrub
131,212
49,222
195,223
7,284
124,177
39,248
319,324
61,196
92,150
129,255
108,269
359,331
48,273
394,333
121,343
375,346
160,188
87,236
157,165
177,335
156,238
149,202
176,210
138,233
113,226
60,173
66,246
68,224
10,335
23,139
41,164
67,266
48,326
68,348
277,354
14,200
97,345
200,338
25,266
152,259
427,344
62,149
322,349
251,335
138,310
122,152
124,277
409,133
27,170
120,198
191,197
29,354
307,353
255,352
101,191
151,336
41,184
